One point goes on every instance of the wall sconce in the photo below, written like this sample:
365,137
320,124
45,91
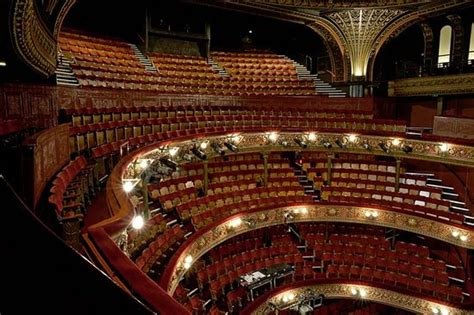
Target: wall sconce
384,147
359,292
312,136
439,310
459,235
371,214
301,143
273,136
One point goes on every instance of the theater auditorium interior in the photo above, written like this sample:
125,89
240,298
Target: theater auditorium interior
237,157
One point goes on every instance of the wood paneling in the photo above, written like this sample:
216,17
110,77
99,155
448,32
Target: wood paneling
453,127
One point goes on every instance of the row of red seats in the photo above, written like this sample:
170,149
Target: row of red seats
138,239
245,54
331,228
400,280
205,218
158,247
81,66
90,41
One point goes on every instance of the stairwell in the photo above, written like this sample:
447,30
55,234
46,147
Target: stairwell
217,68
144,60
304,181
450,195
322,88
64,74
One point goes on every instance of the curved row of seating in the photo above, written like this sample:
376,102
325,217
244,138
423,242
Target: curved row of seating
137,240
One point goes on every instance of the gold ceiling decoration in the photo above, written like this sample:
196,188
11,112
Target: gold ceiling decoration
338,4
360,29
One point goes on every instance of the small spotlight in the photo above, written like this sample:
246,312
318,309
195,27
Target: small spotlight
250,31
340,143
384,147
171,164
138,222
283,143
218,149
367,146
232,147
407,149
301,143
326,144
198,153
3,64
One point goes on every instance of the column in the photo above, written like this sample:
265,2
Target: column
265,169
206,176
329,165
397,175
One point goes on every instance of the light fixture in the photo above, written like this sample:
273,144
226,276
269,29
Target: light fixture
138,222
396,142
288,297
273,136
235,222
218,148
232,147
128,186
188,261
171,164
360,292
251,223
288,215
204,145
302,210
144,163
198,153
367,146
457,234
352,138
443,147
371,214
283,142
3,64
301,143
326,144
440,310
407,148
384,147
340,143
235,138
250,31
188,157
312,136
173,151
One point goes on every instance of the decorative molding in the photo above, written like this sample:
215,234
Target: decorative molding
453,127
375,294
360,29
433,85
344,4
32,40
211,236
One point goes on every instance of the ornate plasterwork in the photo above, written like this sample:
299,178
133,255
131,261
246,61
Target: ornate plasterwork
434,85
360,29
317,4
374,294
31,38
197,247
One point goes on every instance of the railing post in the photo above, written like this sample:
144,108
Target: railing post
397,175
265,169
206,176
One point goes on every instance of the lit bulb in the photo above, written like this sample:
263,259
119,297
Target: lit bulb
444,311
236,138
187,265
443,147
204,145
455,233
291,296
354,291
362,293
143,163
435,310
463,238
304,210
235,222
352,138
173,151
312,136
138,222
396,142
127,186
188,259
273,136
367,213
375,214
